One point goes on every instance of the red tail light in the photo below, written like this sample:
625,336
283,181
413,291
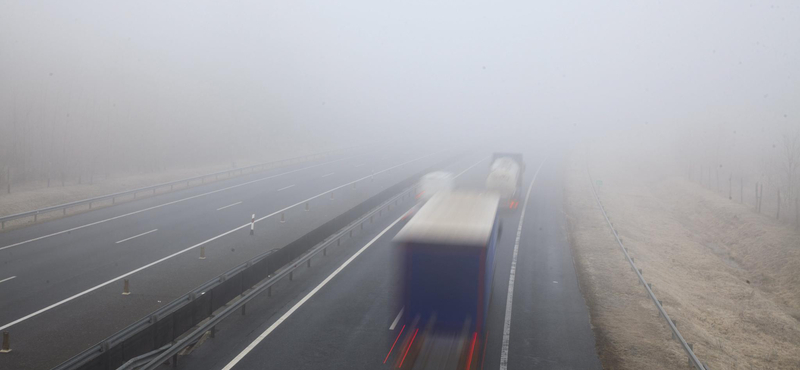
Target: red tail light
393,344
409,347
472,349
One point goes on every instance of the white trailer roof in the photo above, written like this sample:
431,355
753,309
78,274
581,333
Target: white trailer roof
456,218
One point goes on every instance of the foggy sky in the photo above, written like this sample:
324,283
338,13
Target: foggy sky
246,72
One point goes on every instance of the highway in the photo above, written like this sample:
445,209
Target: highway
341,313
66,290
62,280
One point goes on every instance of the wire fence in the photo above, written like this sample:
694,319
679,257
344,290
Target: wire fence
760,193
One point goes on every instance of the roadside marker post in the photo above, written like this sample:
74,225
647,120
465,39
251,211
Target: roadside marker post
6,348
252,224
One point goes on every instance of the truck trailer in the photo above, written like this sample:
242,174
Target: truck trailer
447,265
505,178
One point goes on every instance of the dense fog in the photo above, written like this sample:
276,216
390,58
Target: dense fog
97,86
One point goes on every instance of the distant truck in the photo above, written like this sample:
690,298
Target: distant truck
434,182
447,264
505,178
430,184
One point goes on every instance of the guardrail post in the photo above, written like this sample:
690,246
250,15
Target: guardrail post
351,233
6,348
213,331
291,275
126,289
202,252
252,224
309,262
339,242
324,251
35,216
691,347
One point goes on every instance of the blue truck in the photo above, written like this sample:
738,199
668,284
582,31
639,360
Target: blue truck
447,265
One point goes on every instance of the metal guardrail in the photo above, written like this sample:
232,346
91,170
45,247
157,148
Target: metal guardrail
166,328
142,360
676,334
153,188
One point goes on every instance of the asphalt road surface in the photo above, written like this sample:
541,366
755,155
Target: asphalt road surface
340,314
61,281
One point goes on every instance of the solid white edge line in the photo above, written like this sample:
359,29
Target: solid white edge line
328,174
77,295
310,294
510,297
359,165
229,205
397,319
136,236
288,187
7,279
166,204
